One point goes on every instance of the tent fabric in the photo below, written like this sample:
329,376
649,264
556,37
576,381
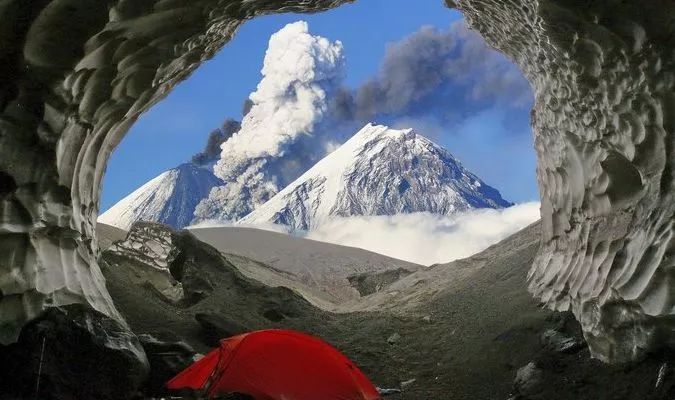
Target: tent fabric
277,365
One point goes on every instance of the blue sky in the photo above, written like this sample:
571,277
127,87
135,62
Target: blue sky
495,143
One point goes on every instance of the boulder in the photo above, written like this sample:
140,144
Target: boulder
79,353
217,327
528,379
166,359
395,337
558,342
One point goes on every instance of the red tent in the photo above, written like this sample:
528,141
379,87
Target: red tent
277,365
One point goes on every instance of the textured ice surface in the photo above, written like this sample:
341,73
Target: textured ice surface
75,75
603,77
379,171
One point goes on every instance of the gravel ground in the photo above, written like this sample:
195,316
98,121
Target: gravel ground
456,331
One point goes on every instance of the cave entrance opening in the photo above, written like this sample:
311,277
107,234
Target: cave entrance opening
206,160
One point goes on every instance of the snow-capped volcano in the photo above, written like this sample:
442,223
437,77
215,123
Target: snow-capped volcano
169,198
379,171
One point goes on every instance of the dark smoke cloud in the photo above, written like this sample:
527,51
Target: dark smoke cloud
246,107
431,79
413,68
216,138
437,72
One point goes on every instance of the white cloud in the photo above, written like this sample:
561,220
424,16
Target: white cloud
300,70
426,238
279,138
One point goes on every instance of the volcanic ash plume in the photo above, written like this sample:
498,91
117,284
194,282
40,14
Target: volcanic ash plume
300,73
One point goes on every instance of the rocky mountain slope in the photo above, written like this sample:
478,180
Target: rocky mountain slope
324,273
464,330
108,234
379,171
169,198
327,275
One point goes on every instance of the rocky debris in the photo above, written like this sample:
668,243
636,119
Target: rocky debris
407,383
528,378
148,243
218,300
388,392
166,360
661,375
155,250
560,343
160,263
107,235
80,354
394,338
564,368
370,283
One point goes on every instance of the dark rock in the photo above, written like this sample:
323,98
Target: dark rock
528,378
165,260
283,303
395,337
274,315
196,284
87,355
367,284
663,370
217,300
217,327
236,396
565,369
558,342
166,359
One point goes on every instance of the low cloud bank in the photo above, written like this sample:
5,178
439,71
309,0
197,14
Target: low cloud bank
422,238
426,238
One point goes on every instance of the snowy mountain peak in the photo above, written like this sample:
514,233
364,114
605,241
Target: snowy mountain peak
169,198
379,171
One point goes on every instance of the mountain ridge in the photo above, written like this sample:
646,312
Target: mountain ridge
379,171
170,198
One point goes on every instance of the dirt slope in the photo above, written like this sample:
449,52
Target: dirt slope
456,331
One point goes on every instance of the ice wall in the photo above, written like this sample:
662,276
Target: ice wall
603,75
75,74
